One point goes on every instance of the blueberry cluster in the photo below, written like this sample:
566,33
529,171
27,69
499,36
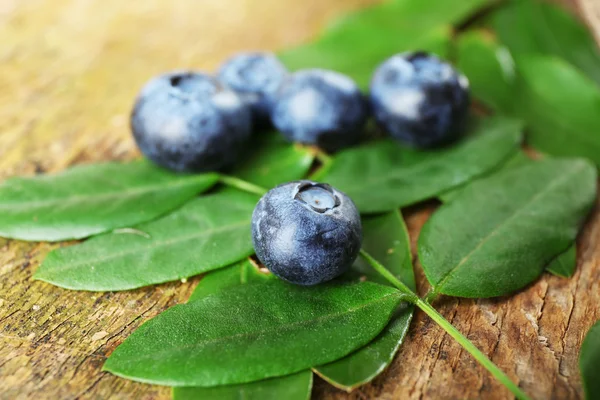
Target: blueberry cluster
193,122
304,232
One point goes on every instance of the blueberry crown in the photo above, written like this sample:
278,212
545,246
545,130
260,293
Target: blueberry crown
319,197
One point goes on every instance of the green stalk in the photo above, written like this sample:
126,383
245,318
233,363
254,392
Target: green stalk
241,184
383,271
326,162
323,157
447,326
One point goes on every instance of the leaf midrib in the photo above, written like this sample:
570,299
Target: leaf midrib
499,227
395,173
20,204
151,246
279,328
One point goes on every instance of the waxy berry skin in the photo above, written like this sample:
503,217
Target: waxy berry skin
255,77
189,122
419,99
306,232
320,107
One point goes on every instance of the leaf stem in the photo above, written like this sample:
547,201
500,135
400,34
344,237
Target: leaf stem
241,184
323,157
470,347
326,162
447,326
377,266
431,296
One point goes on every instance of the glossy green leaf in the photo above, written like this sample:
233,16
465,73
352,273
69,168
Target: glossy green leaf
91,199
538,27
565,263
237,274
589,362
386,239
490,68
207,233
254,332
499,233
292,387
383,176
272,161
562,116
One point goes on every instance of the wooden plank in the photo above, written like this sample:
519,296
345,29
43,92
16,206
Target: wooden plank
70,70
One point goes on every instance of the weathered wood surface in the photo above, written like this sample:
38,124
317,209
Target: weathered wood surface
69,71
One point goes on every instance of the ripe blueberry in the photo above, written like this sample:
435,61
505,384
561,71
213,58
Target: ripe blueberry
188,121
306,232
255,77
319,107
419,99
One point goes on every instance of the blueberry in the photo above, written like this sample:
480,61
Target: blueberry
419,99
306,232
255,77
320,107
188,121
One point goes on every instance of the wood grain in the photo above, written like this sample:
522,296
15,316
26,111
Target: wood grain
70,70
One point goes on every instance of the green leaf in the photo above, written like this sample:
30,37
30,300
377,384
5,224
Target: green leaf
292,387
589,362
242,272
490,68
383,176
254,332
562,116
272,161
565,263
499,233
207,233
385,238
536,27
92,199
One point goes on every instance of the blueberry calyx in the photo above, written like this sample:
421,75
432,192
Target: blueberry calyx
318,197
186,85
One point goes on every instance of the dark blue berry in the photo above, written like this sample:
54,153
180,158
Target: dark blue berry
255,77
188,121
306,232
322,108
419,99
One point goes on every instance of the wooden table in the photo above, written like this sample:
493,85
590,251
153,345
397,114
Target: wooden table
69,73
